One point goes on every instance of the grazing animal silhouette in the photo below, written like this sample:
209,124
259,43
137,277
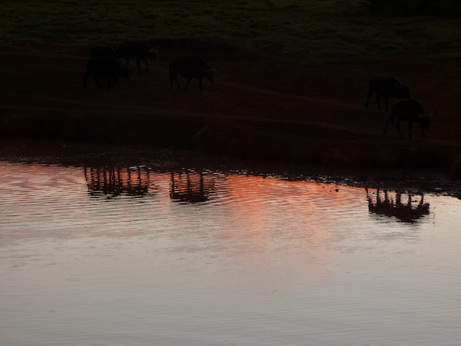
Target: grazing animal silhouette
138,51
107,67
410,111
190,66
100,51
386,86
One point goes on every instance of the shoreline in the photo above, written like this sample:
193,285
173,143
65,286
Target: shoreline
281,110
65,153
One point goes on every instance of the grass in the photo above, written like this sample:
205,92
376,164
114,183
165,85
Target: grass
326,30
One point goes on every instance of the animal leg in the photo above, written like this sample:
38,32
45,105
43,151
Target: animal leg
387,124
378,97
397,124
188,82
368,98
85,80
410,130
174,80
111,81
96,79
422,130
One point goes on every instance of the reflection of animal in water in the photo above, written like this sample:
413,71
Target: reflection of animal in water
386,86
410,111
113,182
190,66
392,204
189,187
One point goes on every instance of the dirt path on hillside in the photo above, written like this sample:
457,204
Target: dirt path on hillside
261,106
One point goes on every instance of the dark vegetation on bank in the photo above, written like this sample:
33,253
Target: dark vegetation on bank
292,92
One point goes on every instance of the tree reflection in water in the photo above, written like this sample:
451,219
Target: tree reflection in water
116,181
403,206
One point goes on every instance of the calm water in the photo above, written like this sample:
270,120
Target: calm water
131,256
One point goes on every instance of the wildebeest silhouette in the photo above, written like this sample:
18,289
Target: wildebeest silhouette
107,67
190,66
100,51
139,51
408,110
386,86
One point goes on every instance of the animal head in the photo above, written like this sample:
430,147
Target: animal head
153,54
403,90
123,70
425,119
209,74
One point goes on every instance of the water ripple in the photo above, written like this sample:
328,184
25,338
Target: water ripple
188,257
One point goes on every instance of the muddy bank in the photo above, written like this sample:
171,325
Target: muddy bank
261,107
259,140
70,153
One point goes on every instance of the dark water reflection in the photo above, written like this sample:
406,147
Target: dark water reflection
137,181
190,187
143,256
196,187
116,181
405,207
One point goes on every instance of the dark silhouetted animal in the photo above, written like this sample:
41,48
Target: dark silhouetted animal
99,51
386,86
410,111
106,67
138,51
190,66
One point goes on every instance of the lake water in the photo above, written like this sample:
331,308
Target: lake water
135,256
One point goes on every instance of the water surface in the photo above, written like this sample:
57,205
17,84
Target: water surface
137,256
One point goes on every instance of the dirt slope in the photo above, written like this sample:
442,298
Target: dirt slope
261,106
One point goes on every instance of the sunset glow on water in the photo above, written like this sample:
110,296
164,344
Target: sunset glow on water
134,256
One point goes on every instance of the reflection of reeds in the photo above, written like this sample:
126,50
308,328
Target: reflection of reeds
404,206
116,181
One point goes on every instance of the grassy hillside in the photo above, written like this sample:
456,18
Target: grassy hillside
326,30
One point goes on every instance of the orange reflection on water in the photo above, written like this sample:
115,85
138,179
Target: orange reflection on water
247,218
300,216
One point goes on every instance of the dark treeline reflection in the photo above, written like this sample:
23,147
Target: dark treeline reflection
138,181
405,207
